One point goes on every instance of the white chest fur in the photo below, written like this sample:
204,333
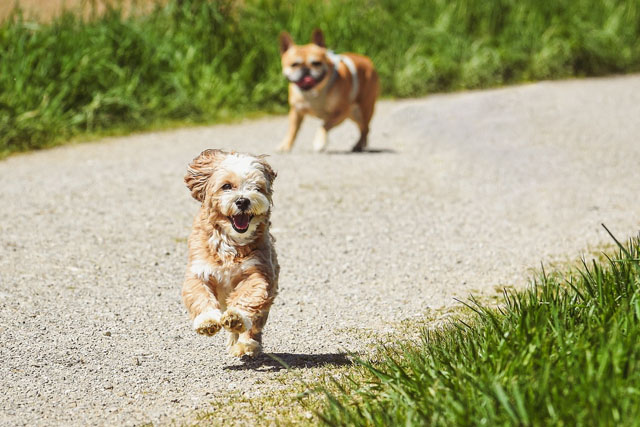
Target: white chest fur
312,102
223,277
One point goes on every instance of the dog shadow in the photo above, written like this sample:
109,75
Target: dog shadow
365,151
274,362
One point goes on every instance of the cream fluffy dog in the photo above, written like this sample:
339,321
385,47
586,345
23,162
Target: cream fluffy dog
232,272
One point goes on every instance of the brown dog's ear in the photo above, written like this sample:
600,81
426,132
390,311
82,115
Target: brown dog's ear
317,37
200,170
285,42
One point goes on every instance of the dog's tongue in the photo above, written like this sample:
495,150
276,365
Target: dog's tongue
241,221
306,81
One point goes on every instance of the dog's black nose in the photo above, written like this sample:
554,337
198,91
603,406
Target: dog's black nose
242,203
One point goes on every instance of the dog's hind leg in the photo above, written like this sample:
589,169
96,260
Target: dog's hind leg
362,112
246,331
247,314
357,116
249,342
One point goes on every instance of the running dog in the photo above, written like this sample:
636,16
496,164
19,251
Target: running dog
328,86
232,271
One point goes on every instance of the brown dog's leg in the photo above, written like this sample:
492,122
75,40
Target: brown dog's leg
363,111
202,305
295,119
357,116
320,141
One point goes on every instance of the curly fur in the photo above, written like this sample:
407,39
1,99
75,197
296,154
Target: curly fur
232,273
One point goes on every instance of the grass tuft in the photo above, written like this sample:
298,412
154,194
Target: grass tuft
198,61
564,352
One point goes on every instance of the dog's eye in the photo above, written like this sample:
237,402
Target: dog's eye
316,63
226,187
296,64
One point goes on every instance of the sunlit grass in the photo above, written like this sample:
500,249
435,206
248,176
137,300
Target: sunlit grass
564,352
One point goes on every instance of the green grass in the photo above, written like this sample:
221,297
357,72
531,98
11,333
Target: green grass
564,352
197,61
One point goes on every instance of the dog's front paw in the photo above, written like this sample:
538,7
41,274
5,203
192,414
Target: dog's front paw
245,347
235,321
208,322
320,140
284,148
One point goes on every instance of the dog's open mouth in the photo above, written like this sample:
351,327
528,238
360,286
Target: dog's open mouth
240,223
307,82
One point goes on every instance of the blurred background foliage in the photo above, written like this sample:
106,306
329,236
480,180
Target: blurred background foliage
200,61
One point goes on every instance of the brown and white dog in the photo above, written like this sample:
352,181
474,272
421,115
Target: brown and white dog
329,86
232,272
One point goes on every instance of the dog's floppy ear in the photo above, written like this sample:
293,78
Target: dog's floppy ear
268,171
317,37
285,42
200,170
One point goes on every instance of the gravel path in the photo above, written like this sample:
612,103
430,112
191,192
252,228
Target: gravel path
466,191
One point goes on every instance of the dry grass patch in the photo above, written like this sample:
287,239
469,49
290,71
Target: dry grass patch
47,10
